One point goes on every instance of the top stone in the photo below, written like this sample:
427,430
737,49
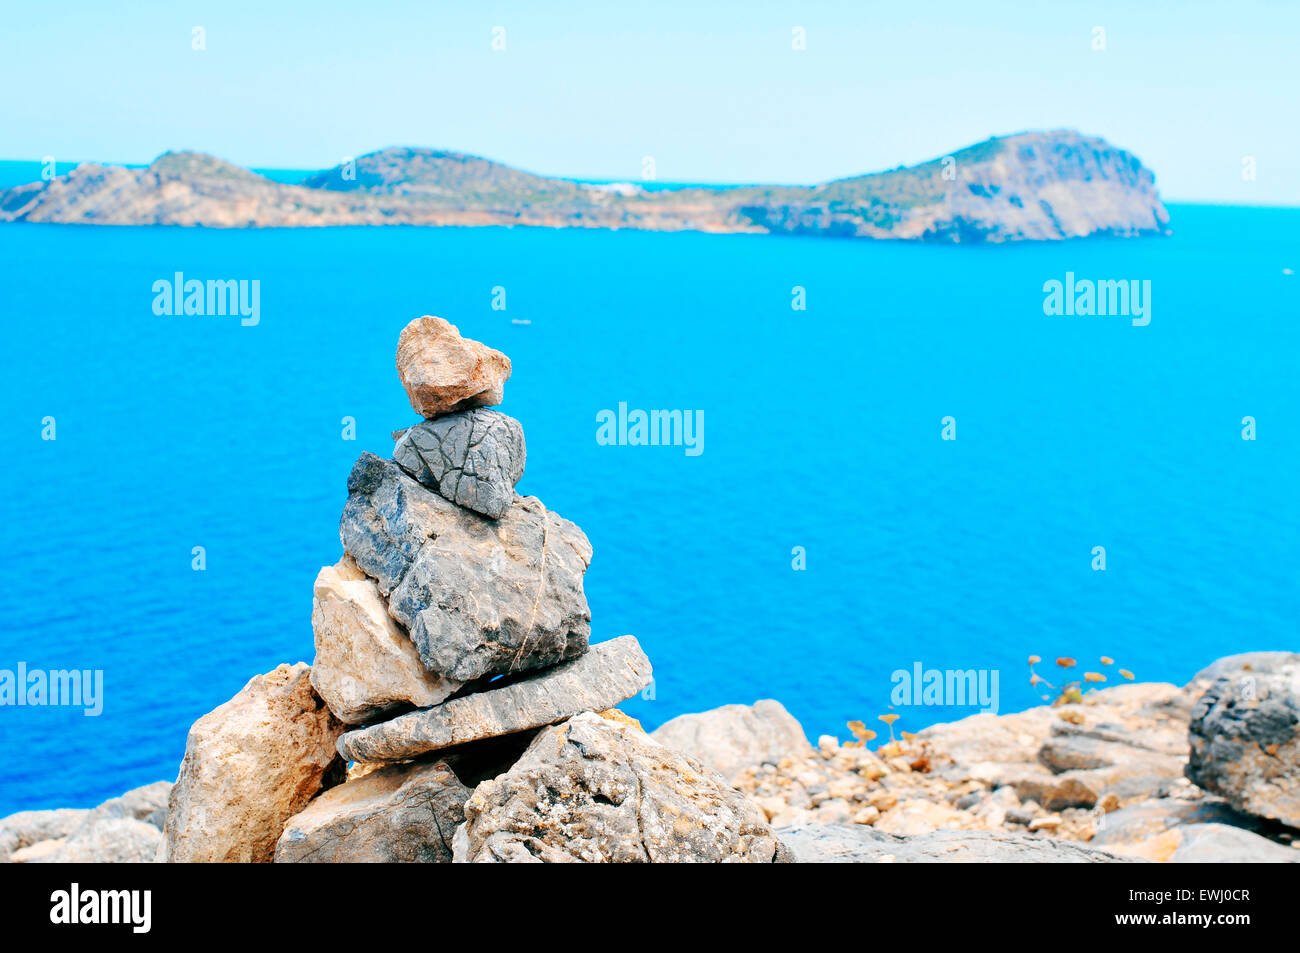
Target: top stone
444,372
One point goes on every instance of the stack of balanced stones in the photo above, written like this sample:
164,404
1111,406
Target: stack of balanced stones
455,596
455,710
457,612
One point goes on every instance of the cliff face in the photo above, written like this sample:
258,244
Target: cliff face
1033,186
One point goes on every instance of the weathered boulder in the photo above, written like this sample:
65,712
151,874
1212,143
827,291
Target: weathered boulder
473,458
122,830
1201,843
1245,743
1242,663
597,790
1223,844
444,372
606,675
860,844
402,813
26,828
109,833
147,804
1145,819
365,666
106,840
249,766
479,597
735,737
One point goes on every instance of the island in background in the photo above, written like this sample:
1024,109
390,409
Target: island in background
1029,187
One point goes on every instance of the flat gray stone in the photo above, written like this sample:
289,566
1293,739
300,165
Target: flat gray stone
609,673
402,813
473,458
1064,753
479,597
860,844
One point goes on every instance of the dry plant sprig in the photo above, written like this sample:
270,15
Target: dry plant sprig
1071,690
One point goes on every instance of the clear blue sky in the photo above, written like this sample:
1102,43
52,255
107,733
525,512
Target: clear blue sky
713,91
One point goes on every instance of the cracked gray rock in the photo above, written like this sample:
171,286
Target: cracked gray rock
402,813
479,597
1245,738
606,675
597,790
473,458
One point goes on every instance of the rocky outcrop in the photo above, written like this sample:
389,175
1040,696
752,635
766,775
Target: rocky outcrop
366,665
27,828
601,678
479,597
112,840
249,766
122,830
858,844
1245,738
443,372
1032,186
403,813
734,737
596,790
1129,742
1181,830
1105,771
473,458
1224,844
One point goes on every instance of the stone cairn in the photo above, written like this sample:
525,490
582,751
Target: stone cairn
455,707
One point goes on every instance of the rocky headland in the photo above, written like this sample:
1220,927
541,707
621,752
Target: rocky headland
1030,186
457,710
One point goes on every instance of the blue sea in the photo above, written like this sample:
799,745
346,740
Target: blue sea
822,437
